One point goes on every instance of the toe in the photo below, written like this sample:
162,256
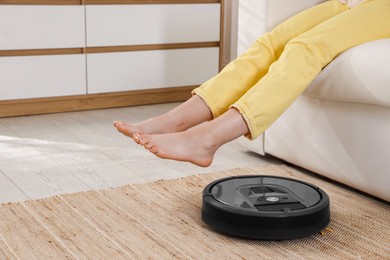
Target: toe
154,149
120,126
116,123
124,128
148,145
136,138
144,139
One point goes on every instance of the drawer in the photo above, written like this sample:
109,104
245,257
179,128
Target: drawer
40,27
123,71
117,25
42,76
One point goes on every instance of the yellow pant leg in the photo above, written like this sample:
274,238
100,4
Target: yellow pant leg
306,55
240,75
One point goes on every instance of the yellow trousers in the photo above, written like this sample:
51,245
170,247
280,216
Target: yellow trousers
264,81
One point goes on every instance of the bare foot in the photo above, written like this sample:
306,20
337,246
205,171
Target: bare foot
188,114
188,146
199,143
156,125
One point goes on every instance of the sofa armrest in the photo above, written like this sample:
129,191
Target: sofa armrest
280,10
255,17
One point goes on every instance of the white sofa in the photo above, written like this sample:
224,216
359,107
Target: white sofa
340,126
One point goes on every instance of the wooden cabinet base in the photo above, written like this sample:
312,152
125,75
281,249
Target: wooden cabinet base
35,106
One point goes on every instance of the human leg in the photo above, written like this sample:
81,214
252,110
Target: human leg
241,74
302,60
192,112
305,56
235,79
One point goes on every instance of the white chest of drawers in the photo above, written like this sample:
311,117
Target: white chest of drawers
95,54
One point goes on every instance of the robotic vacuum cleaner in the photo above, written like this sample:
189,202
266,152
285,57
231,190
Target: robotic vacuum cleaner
265,207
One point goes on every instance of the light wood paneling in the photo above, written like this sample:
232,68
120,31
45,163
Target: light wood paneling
45,155
103,2
85,102
221,34
9,191
75,153
152,47
112,2
144,47
41,2
36,52
24,164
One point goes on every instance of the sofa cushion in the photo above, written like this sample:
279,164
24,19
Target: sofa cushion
256,17
360,74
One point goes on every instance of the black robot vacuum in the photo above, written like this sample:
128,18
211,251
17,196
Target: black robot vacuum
265,207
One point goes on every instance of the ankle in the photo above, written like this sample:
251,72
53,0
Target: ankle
173,122
205,136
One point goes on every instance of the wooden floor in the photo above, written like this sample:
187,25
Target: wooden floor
42,156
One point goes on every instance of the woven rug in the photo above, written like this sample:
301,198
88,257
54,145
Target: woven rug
161,220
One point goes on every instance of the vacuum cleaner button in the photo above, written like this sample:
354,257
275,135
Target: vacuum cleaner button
272,199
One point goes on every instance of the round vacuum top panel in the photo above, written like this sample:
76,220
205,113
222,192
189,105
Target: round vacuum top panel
265,207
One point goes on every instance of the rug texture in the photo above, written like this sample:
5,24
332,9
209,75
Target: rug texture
162,220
